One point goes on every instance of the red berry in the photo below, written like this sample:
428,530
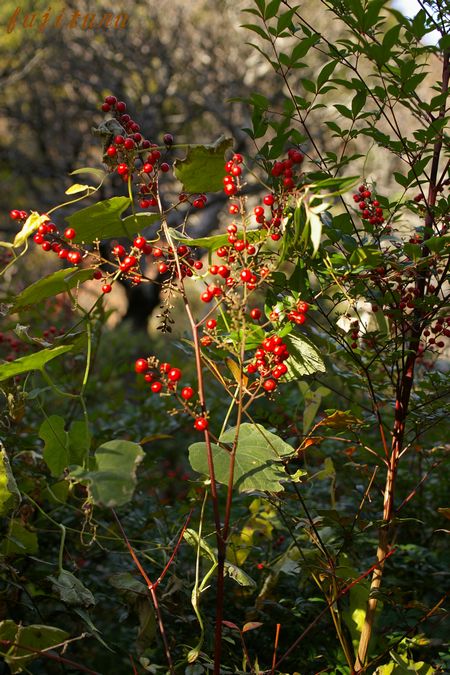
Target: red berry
140,242
129,144
211,324
165,167
119,140
269,200
70,233
206,296
174,374
270,385
198,264
111,151
121,106
106,107
156,387
141,366
201,423
14,214
255,314
187,393
106,288
302,306
246,275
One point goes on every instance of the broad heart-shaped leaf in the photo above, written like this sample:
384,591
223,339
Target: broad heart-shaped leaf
258,459
101,221
57,282
112,481
202,170
28,642
29,227
56,451
71,591
304,358
79,442
217,240
34,361
9,493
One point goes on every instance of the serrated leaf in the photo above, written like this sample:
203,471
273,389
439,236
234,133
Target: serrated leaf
34,361
101,221
202,170
71,591
30,226
258,459
56,451
304,357
112,481
9,492
53,284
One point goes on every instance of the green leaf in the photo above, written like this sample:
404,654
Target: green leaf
19,540
56,451
112,481
256,29
79,442
258,459
34,361
99,173
285,20
205,550
71,591
28,642
202,170
51,285
76,187
218,240
100,221
325,73
238,574
30,226
9,492
139,221
304,357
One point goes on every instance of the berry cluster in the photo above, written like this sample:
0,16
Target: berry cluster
268,362
370,208
163,378
284,170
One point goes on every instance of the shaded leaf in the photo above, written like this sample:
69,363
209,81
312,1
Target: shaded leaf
53,284
71,591
112,481
202,170
9,492
56,450
28,642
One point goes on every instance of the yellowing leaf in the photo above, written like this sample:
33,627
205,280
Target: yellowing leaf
30,226
77,187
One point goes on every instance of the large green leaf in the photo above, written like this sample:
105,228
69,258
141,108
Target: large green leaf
56,451
101,221
9,493
304,357
202,170
28,642
57,282
258,463
34,361
112,480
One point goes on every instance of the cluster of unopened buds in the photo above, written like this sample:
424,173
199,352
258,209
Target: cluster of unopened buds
370,208
164,378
